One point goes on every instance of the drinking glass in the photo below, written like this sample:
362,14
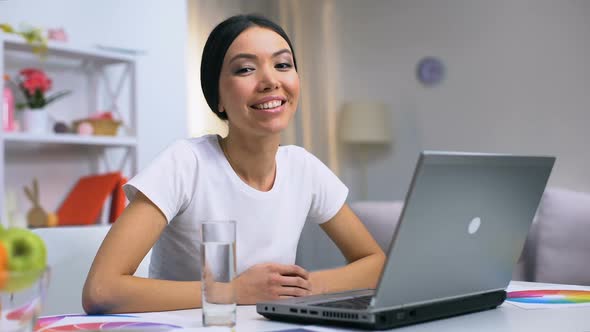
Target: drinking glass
21,298
218,271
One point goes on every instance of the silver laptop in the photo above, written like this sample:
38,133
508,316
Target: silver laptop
464,223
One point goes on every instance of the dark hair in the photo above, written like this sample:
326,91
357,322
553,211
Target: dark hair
216,46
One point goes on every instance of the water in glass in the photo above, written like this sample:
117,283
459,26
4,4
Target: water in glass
218,271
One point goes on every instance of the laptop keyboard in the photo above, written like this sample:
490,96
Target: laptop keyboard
360,303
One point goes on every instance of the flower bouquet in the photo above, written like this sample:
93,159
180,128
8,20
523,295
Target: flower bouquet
34,85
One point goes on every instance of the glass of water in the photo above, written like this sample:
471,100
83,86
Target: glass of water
218,271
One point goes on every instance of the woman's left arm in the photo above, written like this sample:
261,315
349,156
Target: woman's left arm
364,256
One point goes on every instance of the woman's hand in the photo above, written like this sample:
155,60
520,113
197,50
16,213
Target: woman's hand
271,281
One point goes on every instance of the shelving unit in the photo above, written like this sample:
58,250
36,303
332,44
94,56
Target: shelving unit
73,139
96,67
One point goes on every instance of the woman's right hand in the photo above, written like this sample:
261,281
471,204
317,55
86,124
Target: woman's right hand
271,281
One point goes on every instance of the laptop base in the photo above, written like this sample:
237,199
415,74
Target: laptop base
387,319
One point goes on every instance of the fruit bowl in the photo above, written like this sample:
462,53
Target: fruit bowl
21,298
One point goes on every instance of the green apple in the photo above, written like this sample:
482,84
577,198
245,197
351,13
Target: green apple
26,250
26,256
17,281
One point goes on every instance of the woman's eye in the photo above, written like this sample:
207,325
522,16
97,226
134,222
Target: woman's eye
244,70
284,66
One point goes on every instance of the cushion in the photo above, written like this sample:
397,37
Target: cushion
563,245
84,203
380,218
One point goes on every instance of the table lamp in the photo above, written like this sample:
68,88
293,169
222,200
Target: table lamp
365,124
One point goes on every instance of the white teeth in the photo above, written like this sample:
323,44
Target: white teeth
267,105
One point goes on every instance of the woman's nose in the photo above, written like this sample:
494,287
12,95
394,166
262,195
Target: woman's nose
268,81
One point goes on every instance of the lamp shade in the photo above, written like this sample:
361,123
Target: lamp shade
365,123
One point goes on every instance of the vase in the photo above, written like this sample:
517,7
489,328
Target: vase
35,120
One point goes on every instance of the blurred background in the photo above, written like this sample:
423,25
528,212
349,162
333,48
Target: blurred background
515,75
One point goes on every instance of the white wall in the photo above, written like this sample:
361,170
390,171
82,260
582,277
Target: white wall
517,81
156,27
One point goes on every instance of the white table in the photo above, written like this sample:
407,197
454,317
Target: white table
507,317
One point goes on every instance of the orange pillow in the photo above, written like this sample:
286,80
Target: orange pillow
84,203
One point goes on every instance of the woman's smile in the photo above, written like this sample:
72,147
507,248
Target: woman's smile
270,104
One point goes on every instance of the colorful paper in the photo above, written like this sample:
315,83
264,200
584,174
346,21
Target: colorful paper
99,323
555,296
548,296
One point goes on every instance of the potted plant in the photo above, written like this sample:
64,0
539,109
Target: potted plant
34,84
32,36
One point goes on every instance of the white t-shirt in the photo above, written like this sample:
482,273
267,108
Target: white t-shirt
192,181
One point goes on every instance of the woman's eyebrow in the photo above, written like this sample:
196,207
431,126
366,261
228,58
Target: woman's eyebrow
279,52
254,57
243,56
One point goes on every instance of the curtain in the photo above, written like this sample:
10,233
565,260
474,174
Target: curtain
311,24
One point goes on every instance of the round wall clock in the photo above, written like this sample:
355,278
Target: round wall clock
430,71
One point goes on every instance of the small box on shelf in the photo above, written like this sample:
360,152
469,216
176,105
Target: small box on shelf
100,123
101,127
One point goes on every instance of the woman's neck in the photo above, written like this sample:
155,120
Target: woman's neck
253,159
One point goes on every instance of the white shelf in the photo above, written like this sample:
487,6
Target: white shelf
97,70
66,50
107,141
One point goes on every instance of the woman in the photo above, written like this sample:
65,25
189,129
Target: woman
249,78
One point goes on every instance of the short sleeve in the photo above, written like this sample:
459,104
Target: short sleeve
328,192
169,180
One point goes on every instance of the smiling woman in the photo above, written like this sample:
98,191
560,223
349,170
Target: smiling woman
249,79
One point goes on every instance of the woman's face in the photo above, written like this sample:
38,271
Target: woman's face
258,86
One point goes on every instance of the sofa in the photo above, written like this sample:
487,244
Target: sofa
557,248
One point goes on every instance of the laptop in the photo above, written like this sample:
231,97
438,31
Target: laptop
462,229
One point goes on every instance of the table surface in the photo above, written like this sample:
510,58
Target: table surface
507,317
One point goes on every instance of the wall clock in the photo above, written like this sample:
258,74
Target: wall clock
430,71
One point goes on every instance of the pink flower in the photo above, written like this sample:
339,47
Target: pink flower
35,84
35,79
31,71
